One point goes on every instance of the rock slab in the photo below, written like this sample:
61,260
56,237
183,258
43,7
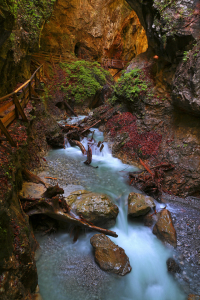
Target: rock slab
164,228
139,205
93,207
109,256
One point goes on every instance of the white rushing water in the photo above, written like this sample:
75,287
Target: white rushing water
66,270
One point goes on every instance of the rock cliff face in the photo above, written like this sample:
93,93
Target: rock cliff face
20,27
94,29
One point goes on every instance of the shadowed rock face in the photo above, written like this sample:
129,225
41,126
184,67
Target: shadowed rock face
110,257
95,208
94,29
186,83
164,229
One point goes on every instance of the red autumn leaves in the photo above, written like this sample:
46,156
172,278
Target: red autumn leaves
145,144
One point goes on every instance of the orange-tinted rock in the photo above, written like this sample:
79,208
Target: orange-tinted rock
164,229
110,257
94,29
139,205
93,207
193,297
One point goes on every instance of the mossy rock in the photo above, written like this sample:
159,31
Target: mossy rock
95,208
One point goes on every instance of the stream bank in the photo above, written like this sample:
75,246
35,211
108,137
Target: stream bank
59,164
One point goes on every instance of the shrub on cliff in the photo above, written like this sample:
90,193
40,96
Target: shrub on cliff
130,87
83,80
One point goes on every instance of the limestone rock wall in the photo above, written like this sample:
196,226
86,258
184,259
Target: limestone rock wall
20,26
94,29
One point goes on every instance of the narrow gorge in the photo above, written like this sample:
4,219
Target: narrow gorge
99,149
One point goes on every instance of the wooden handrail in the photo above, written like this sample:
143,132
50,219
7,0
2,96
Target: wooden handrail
15,107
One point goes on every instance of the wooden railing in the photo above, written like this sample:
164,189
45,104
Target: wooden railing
13,104
114,63
52,57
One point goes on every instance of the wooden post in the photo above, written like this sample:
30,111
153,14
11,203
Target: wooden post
20,110
35,80
16,110
7,134
29,87
39,76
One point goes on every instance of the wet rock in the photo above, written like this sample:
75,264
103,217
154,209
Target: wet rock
120,140
139,204
193,297
172,266
95,208
56,141
186,84
110,257
32,190
164,228
150,219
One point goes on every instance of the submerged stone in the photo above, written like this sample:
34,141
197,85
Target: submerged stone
193,297
164,228
109,256
172,266
139,204
93,207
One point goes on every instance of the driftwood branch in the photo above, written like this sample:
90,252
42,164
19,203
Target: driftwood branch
69,107
89,156
79,144
32,177
58,209
90,126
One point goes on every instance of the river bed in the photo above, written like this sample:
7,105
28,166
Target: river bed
67,270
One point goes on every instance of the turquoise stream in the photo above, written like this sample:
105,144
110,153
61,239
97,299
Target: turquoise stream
67,270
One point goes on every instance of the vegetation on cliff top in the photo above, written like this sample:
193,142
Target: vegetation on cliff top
29,17
78,81
131,87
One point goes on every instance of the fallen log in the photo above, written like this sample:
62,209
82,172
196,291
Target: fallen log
146,167
53,208
32,177
72,126
79,144
90,127
69,107
52,191
101,148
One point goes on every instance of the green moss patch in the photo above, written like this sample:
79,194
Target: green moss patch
83,80
131,87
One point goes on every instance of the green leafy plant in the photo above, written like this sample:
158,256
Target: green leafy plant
186,55
83,80
130,86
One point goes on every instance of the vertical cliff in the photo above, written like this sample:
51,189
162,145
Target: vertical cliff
94,29
20,26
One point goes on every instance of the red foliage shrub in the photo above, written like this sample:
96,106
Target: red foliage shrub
145,144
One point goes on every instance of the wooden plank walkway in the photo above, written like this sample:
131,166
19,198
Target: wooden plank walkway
54,58
108,63
13,104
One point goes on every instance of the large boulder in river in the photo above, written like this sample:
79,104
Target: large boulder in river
139,205
95,208
109,256
164,228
